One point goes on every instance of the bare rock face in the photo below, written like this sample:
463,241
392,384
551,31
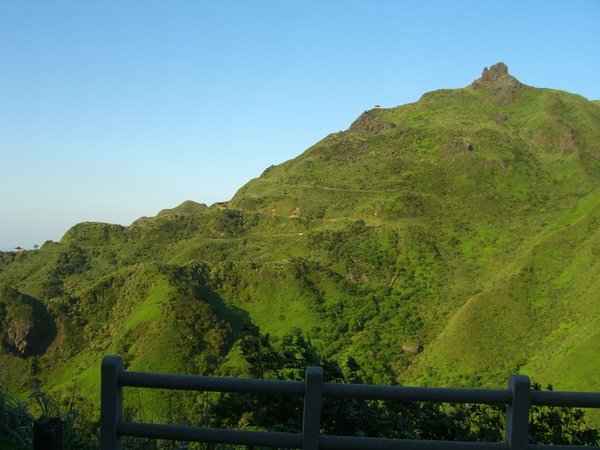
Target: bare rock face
494,72
26,328
17,334
498,82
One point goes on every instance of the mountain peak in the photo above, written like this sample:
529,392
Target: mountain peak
497,80
494,72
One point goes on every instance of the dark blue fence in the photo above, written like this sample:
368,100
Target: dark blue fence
518,398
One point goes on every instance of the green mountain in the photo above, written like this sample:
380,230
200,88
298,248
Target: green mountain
450,241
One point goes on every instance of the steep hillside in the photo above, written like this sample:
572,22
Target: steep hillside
454,240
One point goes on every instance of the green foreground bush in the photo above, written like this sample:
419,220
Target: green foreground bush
286,359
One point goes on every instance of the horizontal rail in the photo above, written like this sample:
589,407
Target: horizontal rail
560,447
210,435
361,443
564,398
294,440
215,384
415,394
356,391
518,399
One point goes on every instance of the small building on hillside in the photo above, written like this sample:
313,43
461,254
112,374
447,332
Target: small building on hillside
18,249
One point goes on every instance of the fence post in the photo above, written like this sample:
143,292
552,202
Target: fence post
517,413
311,418
47,434
111,403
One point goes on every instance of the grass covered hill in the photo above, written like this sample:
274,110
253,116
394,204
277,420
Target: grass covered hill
454,240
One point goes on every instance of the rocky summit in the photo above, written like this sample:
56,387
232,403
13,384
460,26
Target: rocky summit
495,72
499,82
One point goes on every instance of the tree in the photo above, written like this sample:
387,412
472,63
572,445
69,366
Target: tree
287,358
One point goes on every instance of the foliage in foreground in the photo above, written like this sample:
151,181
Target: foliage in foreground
287,359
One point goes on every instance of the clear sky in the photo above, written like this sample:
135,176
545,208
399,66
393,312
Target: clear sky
111,110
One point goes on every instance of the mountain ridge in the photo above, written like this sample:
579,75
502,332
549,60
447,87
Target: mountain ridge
451,241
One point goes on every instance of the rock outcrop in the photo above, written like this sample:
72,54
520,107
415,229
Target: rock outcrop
26,328
499,82
494,72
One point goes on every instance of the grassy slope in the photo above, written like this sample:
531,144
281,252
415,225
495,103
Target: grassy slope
492,180
531,313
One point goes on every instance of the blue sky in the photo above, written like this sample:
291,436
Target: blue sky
112,110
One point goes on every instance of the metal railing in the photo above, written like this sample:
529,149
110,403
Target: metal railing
518,398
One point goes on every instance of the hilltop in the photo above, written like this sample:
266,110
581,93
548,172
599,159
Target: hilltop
452,241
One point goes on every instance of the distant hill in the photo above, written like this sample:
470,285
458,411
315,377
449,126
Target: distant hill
187,207
454,240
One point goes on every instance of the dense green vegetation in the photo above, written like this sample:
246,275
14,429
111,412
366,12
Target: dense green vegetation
452,241
286,358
